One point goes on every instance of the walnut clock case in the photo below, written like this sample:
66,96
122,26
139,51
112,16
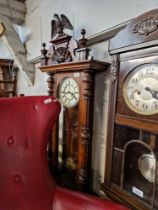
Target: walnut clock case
73,84
131,172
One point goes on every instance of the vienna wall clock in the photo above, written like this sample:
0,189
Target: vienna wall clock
72,82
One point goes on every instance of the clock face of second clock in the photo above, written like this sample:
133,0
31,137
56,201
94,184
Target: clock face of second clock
69,92
140,89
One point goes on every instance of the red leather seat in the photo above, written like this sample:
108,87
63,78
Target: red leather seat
25,182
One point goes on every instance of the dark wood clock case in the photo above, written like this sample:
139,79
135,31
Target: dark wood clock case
74,168
132,138
69,150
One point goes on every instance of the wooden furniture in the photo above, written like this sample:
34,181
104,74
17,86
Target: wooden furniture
131,171
7,78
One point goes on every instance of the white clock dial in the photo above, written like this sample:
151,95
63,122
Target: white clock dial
69,92
140,90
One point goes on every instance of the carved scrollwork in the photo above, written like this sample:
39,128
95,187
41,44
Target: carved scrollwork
85,135
114,69
61,55
83,176
44,57
87,81
50,82
146,26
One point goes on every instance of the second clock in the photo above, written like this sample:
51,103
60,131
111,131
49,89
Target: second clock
140,89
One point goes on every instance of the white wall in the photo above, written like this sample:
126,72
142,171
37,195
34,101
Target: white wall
95,16
4,52
24,85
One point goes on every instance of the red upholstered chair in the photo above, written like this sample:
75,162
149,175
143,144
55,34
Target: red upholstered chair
25,181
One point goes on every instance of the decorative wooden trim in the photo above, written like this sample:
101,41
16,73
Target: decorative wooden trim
85,135
132,122
86,128
141,32
146,26
78,66
50,82
134,47
114,68
83,176
105,35
95,38
6,62
110,133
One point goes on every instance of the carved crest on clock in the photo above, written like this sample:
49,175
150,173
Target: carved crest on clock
61,55
146,26
58,25
64,48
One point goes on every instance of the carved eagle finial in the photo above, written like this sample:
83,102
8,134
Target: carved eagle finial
58,25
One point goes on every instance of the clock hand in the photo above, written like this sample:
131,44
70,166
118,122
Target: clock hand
69,93
154,93
72,94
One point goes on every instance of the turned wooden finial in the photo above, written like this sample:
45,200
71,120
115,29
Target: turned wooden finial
82,52
44,57
83,32
83,40
44,50
43,45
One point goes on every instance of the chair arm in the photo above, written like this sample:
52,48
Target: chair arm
65,199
